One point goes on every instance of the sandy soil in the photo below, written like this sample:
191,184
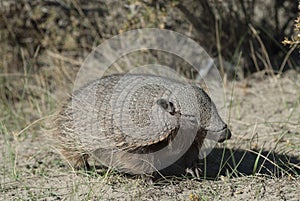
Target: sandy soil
265,122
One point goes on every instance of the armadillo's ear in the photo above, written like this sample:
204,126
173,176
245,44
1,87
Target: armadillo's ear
166,105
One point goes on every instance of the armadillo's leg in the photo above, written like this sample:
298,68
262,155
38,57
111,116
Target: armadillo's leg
147,178
82,162
77,161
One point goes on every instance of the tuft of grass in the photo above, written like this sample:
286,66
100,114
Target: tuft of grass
9,154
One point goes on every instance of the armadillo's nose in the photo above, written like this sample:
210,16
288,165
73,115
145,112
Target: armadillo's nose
224,134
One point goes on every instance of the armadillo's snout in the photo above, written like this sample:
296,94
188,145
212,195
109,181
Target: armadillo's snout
224,134
219,135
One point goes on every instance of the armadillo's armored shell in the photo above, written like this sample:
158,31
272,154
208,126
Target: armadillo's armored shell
122,111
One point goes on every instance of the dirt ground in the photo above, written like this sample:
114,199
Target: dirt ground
260,162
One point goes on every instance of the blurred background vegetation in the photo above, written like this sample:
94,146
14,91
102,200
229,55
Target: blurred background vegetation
43,43
71,28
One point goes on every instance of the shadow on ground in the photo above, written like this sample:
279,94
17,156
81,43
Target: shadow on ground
238,162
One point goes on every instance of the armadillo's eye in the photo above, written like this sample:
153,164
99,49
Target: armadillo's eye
166,105
162,103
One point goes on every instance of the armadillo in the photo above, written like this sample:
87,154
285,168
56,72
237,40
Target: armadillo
138,123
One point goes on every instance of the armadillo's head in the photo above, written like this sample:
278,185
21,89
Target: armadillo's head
210,120
197,110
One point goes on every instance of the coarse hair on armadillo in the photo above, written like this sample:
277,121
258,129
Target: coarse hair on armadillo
66,142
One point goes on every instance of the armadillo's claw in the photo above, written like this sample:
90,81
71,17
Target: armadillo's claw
195,170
